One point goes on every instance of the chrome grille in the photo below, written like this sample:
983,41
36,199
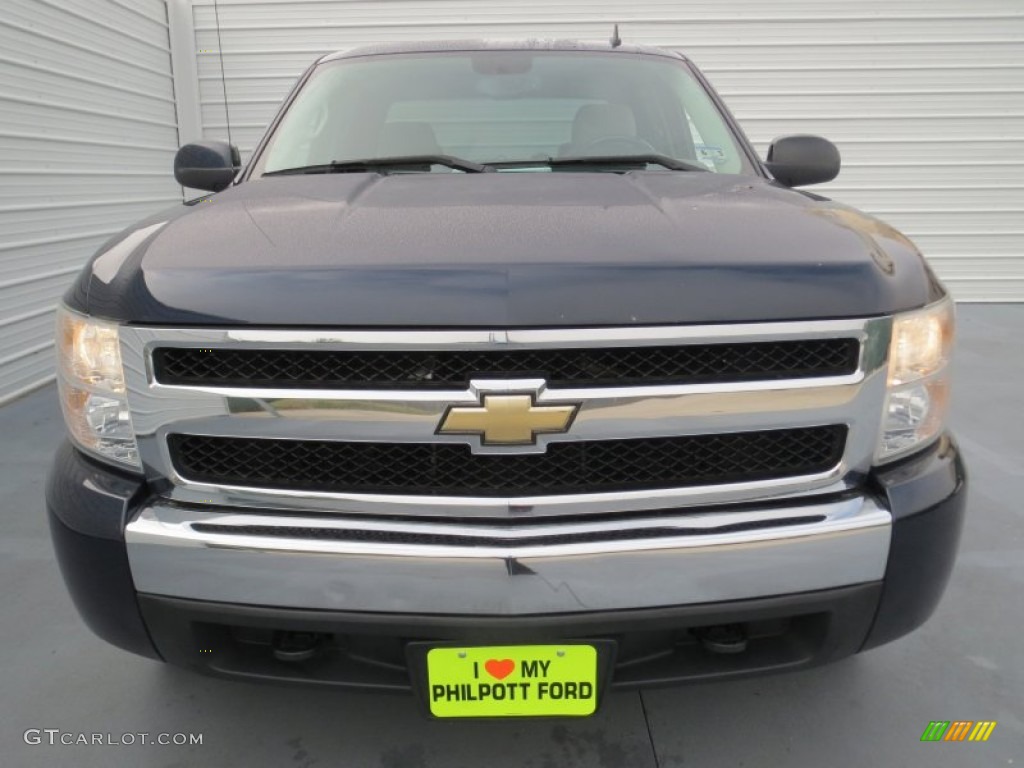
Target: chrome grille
589,367
342,449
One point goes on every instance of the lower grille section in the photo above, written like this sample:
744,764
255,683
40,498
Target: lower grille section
450,469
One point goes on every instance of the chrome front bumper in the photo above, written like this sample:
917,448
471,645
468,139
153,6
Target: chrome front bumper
332,563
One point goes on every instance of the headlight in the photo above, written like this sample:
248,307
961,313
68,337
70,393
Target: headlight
918,398
92,390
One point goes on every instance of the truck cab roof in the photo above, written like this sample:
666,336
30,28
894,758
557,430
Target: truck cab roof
443,46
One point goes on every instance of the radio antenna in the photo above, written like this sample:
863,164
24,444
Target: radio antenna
616,41
223,79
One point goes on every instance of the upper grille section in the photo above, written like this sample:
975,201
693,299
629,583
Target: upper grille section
448,469
572,367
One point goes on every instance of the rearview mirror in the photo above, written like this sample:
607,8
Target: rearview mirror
209,165
799,160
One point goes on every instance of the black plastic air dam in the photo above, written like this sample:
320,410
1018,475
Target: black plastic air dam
818,627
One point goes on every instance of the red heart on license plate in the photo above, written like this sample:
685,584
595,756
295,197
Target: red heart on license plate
499,669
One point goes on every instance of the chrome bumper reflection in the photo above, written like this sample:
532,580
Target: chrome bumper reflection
333,563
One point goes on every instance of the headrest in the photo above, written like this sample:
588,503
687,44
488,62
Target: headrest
599,121
400,139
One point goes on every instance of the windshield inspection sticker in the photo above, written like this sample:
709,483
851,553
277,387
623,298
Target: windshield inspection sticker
710,156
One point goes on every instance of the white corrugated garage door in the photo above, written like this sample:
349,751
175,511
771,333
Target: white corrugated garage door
924,97
87,136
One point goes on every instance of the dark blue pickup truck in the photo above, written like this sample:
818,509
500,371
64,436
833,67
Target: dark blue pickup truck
508,375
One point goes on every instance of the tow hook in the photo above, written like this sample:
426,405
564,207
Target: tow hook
723,638
296,646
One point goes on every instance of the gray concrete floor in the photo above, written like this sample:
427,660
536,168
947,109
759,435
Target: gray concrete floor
966,663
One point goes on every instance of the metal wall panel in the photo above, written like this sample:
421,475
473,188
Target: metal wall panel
87,134
924,97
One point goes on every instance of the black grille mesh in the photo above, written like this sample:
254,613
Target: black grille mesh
602,366
450,469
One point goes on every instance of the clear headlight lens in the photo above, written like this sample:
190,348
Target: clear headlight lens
92,389
918,399
922,342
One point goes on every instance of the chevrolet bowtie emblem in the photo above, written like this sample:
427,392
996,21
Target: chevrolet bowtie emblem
507,419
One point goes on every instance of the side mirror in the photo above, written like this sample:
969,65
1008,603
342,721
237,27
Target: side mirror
209,165
799,160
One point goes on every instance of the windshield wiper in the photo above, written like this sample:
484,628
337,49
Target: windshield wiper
618,160
371,164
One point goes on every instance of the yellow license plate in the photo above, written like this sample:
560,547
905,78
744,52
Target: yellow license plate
512,681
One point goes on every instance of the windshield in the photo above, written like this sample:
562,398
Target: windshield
514,109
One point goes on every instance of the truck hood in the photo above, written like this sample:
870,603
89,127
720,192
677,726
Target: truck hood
504,250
